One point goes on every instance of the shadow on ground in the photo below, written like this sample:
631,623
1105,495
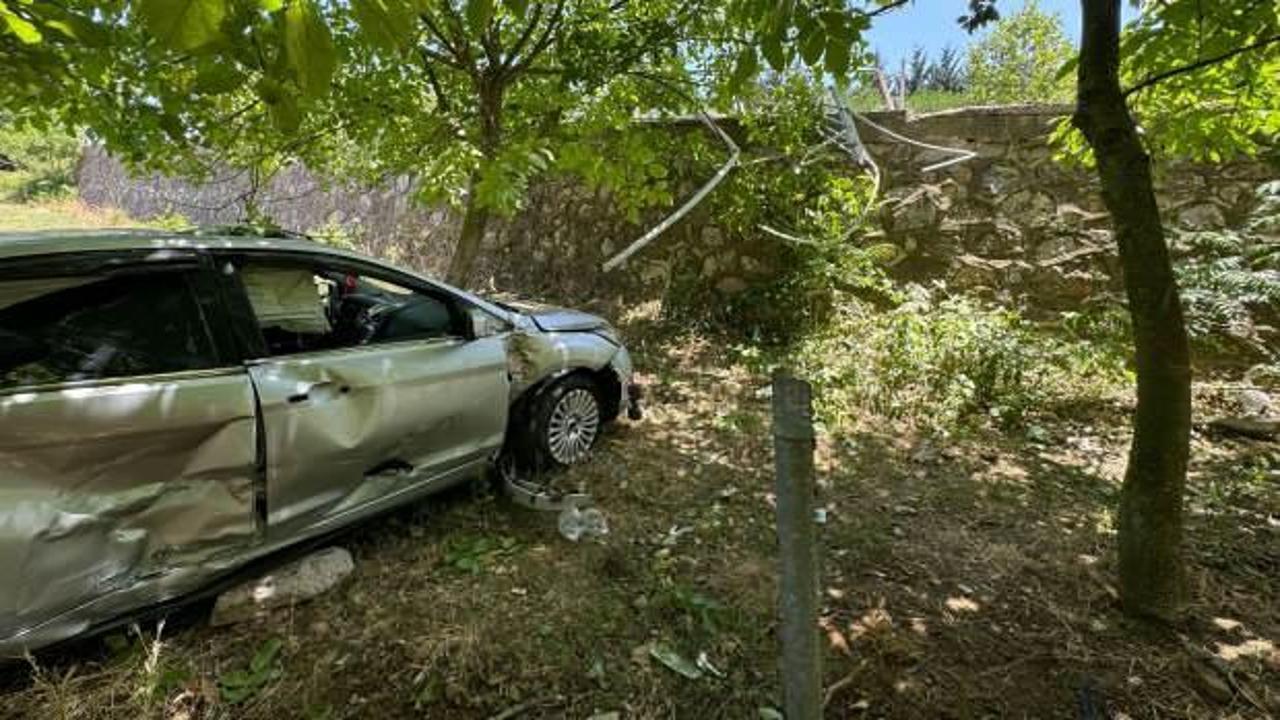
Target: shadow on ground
962,578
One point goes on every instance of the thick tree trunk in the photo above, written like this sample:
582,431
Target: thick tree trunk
1150,516
475,218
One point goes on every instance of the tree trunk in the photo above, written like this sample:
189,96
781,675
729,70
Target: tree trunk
475,219
1150,517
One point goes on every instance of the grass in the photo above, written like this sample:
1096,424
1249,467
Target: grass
64,213
921,101
962,577
964,574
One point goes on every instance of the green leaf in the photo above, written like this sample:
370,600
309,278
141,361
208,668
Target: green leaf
186,25
771,48
26,31
217,78
837,56
811,48
745,68
271,5
387,22
517,7
285,114
308,48
1067,68
479,13
266,654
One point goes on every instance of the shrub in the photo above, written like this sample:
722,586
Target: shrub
45,160
943,360
1230,279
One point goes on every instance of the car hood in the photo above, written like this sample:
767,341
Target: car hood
549,318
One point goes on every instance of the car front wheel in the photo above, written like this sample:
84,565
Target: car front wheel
567,421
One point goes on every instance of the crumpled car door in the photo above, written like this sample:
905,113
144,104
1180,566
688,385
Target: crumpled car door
127,449
347,427
352,418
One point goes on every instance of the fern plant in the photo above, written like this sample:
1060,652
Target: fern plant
1230,279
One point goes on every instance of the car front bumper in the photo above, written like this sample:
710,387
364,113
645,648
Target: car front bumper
631,392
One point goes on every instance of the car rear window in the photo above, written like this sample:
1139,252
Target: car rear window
62,329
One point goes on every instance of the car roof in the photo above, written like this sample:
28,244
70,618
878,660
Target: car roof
49,242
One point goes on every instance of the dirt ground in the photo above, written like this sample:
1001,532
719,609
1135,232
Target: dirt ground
965,577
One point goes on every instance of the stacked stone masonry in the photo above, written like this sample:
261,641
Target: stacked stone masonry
1012,222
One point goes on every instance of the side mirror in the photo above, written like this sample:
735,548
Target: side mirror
484,324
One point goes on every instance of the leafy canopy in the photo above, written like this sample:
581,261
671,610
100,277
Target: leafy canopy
1202,79
1228,106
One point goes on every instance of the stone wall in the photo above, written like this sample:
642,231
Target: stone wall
1016,223
386,221
1010,222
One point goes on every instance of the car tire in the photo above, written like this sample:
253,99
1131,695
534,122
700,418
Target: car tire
563,424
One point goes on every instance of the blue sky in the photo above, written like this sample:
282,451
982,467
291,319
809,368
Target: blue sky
931,24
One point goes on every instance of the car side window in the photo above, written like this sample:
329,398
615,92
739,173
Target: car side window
61,329
306,307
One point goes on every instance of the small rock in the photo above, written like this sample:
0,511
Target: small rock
1255,403
1251,427
1204,216
296,582
924,453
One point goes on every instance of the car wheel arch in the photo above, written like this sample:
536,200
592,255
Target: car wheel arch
605,379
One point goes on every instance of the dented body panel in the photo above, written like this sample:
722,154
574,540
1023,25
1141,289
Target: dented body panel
341,426
119,493
107,485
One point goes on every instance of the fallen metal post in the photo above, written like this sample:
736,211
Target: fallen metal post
734,153
793,443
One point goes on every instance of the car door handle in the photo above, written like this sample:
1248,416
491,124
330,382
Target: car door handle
318,389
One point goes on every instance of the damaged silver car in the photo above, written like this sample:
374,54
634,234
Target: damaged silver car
173,407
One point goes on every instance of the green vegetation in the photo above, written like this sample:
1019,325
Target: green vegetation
239,686
1230,281
44,162
1020,59
920,101
60,214
942,362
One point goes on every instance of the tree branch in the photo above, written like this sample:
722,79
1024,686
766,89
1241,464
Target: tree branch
461,52
489,42
523,40
1200,64
544,41
435,31
441,100
428,53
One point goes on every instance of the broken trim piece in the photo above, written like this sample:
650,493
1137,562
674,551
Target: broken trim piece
960,153
690,204
529,494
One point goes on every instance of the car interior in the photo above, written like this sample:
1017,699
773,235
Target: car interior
304,309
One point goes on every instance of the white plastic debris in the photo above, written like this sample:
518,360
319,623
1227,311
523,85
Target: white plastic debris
576,523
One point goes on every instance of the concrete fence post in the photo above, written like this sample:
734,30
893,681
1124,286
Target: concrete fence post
793,442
